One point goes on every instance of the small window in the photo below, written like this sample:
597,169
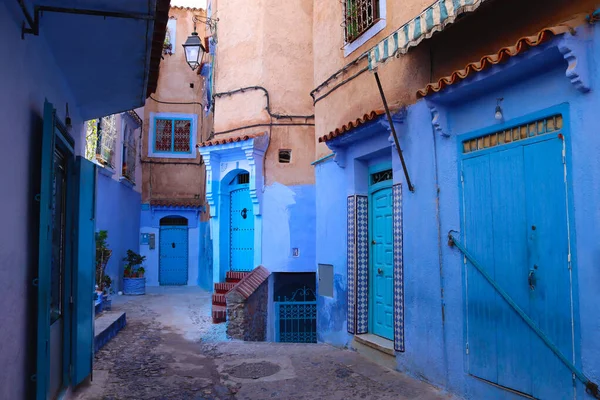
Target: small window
169,43
129,155
243,178
359,15
382,176
285,156
173,221
172,135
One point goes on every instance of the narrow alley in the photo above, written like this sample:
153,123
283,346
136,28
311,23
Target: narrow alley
171,350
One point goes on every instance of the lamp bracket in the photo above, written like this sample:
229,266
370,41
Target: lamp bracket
210,22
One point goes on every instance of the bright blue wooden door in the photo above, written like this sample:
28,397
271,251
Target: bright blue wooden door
515,223
241,229
173,252
84,272
381,308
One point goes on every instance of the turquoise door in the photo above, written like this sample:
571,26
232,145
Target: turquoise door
515,223
381,288
173,253
241,232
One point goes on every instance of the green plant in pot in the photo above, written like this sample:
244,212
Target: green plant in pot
133,273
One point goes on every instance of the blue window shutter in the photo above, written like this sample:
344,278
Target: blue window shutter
84,272
45,254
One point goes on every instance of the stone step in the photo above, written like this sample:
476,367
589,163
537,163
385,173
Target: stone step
223,287
218,299
106,327
219,314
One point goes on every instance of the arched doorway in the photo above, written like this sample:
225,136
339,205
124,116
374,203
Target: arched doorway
173,251
241,224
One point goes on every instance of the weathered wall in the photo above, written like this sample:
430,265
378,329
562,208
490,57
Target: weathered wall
117,212
167,178
247,318
282,64
31,75
461,43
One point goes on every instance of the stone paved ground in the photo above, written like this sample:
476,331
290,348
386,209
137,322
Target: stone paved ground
170,350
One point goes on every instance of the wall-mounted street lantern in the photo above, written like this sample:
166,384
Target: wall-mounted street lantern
194,49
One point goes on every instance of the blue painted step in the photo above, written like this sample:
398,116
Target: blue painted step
106,327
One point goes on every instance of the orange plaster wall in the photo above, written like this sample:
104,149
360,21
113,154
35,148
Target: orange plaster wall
166,178
267,43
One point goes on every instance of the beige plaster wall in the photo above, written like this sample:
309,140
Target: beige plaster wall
267,43
167,178
468,40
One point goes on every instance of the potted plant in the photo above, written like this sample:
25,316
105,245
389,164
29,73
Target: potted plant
133,274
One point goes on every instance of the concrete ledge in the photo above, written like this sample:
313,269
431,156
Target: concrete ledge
376,349
107,326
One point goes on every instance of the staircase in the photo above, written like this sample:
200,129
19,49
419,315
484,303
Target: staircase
219,306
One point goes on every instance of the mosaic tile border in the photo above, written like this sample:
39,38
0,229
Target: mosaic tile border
350,243
398,269
362,264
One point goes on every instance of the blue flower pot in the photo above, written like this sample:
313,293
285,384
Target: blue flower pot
134,286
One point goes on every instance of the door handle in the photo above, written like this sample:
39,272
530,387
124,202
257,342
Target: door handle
173,245
379,271
531,279
373,241
244,213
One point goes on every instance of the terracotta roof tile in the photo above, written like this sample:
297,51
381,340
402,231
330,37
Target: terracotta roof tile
344,129
187,8
231,139
503,55
181,203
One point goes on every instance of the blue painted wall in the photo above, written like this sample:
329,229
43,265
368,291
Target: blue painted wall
118,212
32,75
435,341
205,263
288,220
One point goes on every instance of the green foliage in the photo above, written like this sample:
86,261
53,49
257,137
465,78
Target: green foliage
103,254
131,267
91,139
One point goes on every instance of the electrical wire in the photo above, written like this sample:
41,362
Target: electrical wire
259,125
342,83
177,102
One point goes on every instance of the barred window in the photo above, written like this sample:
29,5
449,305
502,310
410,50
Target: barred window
129,155
107,136
173,135
359,15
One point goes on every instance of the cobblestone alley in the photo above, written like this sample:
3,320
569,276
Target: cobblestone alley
171,350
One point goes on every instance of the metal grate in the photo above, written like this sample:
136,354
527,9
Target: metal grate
514,134
359,15
243,178
129,156
162,139
382,176
173,135
181,140
296,318
107,136
173,221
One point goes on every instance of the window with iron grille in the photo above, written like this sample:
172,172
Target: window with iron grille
107,136
129,155
173,135
359,16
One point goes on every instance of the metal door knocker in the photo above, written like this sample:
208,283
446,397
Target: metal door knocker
244,213
173,245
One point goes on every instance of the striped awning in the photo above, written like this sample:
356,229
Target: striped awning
433,19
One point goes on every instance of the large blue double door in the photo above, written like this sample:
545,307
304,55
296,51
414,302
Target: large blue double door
515,222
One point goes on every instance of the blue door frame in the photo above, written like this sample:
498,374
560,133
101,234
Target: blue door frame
381,268
79,262
536,199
